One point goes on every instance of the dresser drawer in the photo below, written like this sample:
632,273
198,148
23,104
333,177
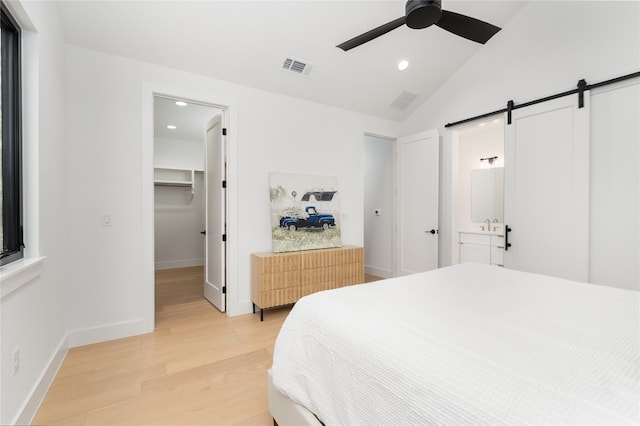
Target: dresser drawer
318,275
281,280
274,264
283,296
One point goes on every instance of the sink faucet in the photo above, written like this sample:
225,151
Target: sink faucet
488,224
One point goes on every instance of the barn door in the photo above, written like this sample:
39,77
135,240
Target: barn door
546,199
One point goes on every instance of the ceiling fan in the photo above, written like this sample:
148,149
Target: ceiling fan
424,13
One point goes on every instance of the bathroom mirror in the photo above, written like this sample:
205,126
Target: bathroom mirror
487,194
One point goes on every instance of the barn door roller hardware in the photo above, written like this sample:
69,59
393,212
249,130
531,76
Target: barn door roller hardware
581,87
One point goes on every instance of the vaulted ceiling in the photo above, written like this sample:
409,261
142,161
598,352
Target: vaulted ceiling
247,42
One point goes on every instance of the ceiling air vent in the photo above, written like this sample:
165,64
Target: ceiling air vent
403,100
296,66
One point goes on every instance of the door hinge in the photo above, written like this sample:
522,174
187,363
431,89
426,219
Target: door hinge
224,237
224,183
224,131
224,290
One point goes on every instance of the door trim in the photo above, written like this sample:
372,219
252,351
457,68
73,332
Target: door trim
147,267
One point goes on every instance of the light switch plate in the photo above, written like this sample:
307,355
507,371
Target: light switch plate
106,219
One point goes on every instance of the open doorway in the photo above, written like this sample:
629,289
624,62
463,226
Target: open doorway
478,191
180,199
379,206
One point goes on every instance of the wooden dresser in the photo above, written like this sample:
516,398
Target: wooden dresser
283,278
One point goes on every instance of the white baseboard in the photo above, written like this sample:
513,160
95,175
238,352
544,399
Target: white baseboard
181,263
243,307
384,273
31,406
91,335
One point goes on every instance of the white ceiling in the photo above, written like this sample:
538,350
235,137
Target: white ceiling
189,120
246,42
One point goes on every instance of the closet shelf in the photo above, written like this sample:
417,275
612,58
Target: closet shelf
173,183
178,178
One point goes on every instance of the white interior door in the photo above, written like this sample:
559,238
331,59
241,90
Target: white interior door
418,159
215,217
614,234
547,189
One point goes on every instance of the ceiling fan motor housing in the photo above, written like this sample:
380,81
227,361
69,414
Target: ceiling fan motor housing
422,13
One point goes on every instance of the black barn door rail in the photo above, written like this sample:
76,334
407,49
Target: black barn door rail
581,87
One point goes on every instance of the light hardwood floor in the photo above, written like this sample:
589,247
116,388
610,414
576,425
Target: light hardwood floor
199,367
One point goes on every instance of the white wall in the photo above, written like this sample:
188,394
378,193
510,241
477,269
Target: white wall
178,154
379,183
112,282
545,49
33,316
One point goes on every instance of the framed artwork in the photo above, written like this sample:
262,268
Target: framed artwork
305,212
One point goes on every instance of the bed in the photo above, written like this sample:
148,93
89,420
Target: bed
469,344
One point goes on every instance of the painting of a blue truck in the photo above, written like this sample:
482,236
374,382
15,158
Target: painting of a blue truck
313,220
305,212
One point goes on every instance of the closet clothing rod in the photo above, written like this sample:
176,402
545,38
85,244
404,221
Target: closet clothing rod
582,86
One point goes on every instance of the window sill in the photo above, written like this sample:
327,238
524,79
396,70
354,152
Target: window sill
18,273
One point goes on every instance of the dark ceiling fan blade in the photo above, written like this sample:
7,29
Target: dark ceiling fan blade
467,27
370,35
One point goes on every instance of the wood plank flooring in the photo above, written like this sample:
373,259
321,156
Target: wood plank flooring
199,367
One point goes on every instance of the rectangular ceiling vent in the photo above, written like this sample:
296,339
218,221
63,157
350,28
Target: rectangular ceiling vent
297,66
403,100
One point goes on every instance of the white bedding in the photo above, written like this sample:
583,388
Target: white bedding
469,344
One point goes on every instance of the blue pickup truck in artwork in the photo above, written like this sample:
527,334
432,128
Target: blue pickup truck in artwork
314,220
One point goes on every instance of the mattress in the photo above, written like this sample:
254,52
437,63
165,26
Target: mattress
469,344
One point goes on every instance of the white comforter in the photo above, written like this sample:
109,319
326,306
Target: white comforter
469,344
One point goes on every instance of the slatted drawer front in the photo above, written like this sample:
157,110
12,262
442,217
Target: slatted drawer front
317,259
282,296
306,289
318,275
278,263
349,274
350,255
349,280
281,280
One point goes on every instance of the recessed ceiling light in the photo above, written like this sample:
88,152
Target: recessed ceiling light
181,103
402,65
171,126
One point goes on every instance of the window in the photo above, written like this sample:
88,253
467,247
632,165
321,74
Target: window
10,148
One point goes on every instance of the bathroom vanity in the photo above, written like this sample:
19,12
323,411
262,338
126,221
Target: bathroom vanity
481,247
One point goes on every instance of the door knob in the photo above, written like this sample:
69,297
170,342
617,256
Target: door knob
203,232
433,231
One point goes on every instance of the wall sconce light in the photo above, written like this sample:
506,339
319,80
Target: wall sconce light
488,161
